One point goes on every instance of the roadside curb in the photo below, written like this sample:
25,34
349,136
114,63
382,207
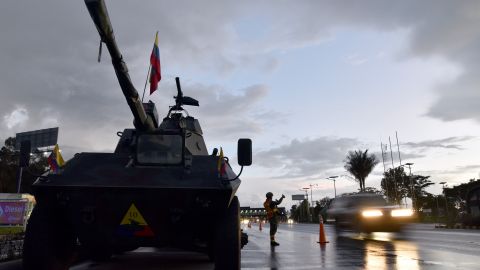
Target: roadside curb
456,226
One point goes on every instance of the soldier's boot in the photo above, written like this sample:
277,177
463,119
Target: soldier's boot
272,241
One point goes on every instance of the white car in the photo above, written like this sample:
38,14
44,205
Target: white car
368,212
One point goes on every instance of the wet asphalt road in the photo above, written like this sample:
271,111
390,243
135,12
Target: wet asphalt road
419,247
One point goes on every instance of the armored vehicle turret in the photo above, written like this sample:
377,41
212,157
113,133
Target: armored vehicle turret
153,190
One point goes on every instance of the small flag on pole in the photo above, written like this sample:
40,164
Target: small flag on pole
155,75
55,160
221,164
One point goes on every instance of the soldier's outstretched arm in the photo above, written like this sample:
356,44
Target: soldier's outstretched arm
280,200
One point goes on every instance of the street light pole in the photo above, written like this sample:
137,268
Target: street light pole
308,207
445,195
334,186
311,192
409,164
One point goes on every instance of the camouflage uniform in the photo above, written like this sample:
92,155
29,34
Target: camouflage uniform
272,214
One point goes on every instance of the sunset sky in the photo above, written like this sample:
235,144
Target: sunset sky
307,81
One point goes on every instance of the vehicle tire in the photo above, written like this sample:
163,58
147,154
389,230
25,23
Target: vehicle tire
227,238
49,242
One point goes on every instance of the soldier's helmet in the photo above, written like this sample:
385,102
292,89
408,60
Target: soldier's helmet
269,195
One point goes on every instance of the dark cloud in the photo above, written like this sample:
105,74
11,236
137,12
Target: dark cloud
48,51
307,157
49,75
446,143
445,29
466,172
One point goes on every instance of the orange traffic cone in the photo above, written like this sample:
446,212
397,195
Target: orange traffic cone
260,225
322,239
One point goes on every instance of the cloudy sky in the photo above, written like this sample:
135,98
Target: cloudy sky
306,80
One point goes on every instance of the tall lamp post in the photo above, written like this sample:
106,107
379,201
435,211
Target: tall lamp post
445,195
311,192
308,207
334,186
409,164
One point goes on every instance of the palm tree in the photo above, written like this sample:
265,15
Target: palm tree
360,164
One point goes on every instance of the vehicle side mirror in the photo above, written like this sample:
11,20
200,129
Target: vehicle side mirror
244,152
25,149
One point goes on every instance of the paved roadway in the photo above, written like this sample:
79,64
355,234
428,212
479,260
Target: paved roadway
419,247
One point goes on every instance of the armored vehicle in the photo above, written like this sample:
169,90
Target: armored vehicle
160,188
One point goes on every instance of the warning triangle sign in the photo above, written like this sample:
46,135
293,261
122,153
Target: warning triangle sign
133,216
133,224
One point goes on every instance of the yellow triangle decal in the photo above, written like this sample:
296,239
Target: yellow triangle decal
133,216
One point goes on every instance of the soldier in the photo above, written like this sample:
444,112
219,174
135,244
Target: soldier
272,215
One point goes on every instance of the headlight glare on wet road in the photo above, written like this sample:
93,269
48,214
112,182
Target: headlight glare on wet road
372,213
402,213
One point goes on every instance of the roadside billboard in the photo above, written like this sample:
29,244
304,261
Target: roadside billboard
38,138
12,212
298,197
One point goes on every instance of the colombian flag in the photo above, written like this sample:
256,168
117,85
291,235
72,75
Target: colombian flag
55,160
221,164
155,75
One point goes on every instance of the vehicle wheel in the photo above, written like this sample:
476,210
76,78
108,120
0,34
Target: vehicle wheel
49,242
227,238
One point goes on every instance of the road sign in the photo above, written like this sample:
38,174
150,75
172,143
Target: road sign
38,138
298,197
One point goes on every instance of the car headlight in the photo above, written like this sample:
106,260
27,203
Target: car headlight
372,213
402,213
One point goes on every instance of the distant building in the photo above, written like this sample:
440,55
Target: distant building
249,212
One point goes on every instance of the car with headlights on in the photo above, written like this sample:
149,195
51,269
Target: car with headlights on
368,212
